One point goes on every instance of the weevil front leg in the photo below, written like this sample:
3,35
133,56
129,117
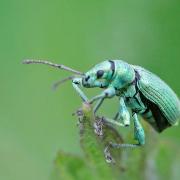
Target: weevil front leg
139,134
76,82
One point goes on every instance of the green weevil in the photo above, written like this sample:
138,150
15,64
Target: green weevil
138,89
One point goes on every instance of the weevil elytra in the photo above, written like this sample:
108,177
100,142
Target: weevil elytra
137,88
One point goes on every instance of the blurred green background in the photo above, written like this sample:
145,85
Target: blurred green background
34,120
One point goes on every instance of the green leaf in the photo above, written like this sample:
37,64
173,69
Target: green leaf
138,163
93,165
94,146
70,167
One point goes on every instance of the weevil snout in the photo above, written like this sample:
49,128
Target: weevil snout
85,81
88,80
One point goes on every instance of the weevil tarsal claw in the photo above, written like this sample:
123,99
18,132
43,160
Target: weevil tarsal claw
108,156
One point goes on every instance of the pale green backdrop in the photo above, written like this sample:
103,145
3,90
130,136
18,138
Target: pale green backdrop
35,121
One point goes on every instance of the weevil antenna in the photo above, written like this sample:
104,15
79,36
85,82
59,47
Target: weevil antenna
61,81
59,66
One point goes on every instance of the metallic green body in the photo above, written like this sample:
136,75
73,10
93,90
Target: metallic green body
138,89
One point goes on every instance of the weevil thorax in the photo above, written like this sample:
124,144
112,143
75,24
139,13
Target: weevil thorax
99,76
124,74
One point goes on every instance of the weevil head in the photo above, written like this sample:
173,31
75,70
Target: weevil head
116,72
99,76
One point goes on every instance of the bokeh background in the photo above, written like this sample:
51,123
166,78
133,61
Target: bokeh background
35,122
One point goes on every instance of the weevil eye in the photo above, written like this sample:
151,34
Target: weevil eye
100,74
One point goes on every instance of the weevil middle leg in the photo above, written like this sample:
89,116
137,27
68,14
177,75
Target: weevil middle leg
98,104
123,115
112,122
139,134
122,118
107,93
116,116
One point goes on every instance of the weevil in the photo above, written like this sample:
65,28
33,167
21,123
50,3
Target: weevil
137,89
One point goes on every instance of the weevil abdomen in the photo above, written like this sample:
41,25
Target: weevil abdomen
154,116
159,98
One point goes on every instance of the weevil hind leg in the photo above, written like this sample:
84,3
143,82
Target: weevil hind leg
139,135
118,146
124,145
